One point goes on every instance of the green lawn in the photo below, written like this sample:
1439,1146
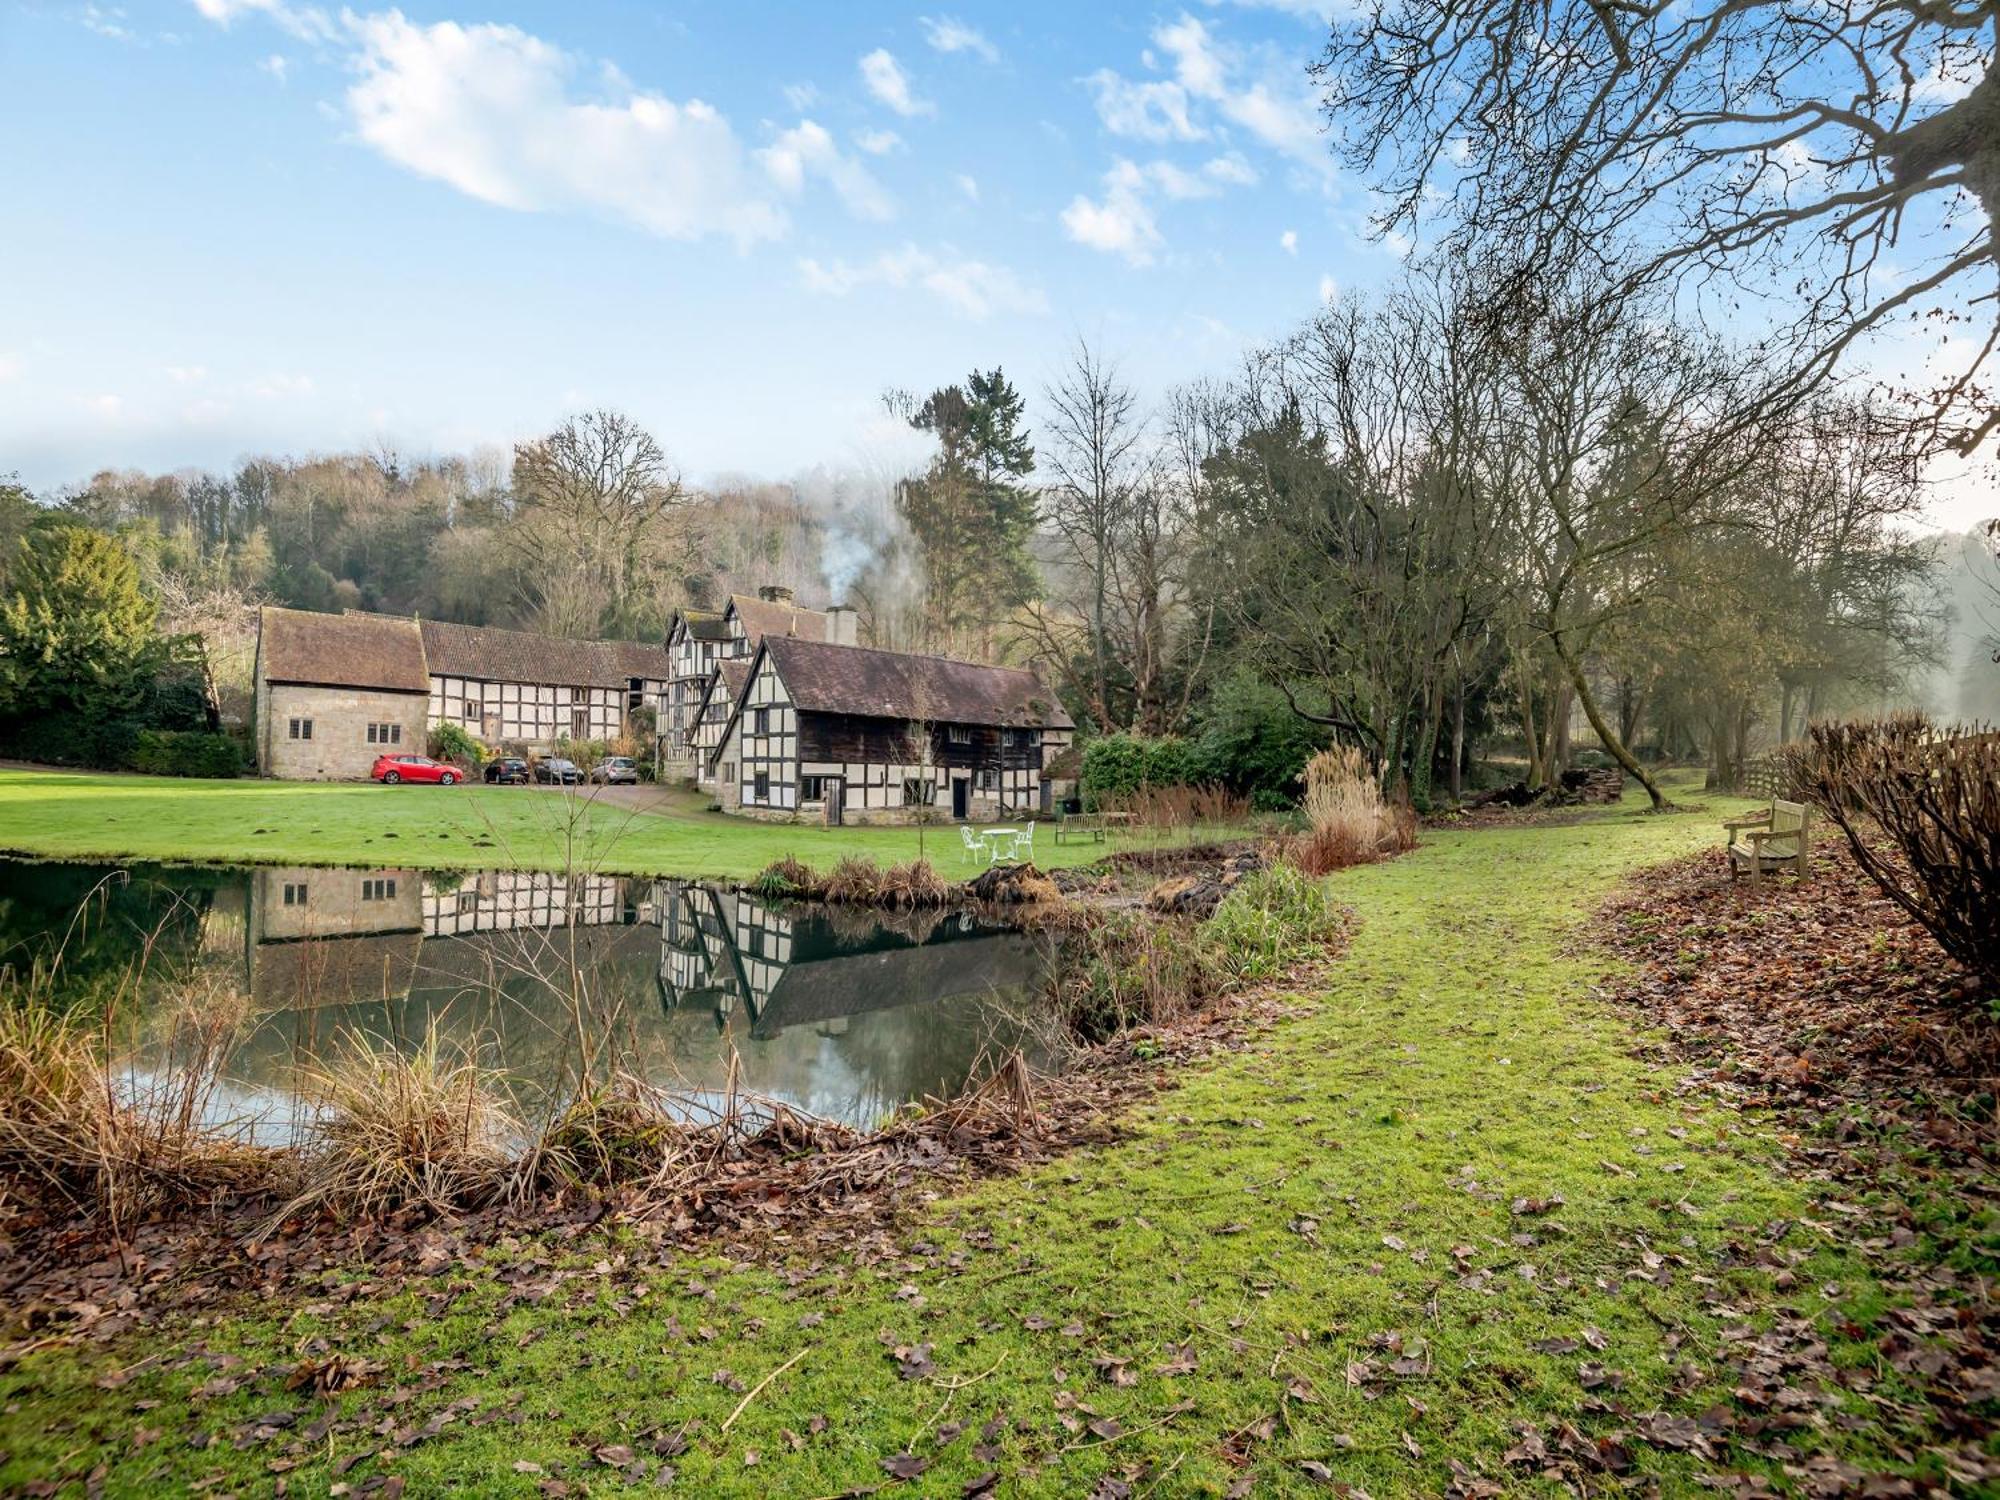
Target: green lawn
1297,1218
72,815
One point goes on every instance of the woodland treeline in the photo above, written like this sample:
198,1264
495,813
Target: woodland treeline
1421,525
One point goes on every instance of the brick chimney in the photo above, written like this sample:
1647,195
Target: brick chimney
843,625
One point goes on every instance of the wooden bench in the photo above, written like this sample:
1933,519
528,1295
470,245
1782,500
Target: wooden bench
1780,836
1080,826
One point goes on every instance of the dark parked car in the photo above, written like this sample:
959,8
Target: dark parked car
508,770
616,770
558,772
390,769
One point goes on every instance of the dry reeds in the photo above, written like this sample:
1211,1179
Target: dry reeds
396,1130
110,1144
859,881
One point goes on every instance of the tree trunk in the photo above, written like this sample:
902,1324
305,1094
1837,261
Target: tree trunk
1458,741
1606,735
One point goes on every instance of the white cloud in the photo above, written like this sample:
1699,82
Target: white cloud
807,150
1259,93
968,185
488,109
108,23
277,65
307,22
1289,242
282,387
877,142
1328,289
890,85
1124,223
801,96
948,34
975,289
186,374
1150,111
11,366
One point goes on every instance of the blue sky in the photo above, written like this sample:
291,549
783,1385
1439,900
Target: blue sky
261,226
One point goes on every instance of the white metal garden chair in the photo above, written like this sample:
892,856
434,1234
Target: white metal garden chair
976,847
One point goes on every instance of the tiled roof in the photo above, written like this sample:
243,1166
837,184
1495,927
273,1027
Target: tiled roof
495,655
762,617
383,652
825,678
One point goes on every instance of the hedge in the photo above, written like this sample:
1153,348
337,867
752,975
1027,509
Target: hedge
69,739
186,752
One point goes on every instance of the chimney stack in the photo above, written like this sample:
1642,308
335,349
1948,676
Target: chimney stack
843,625
774,593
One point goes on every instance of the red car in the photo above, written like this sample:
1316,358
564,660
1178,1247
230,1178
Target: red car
391,769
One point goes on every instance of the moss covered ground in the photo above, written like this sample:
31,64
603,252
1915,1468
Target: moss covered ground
1439,1199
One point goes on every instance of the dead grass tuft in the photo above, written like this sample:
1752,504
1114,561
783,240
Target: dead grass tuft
396,1130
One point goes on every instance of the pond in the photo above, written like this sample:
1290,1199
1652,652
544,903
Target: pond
842,1013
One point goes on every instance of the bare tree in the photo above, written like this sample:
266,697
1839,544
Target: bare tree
1757,148
595,505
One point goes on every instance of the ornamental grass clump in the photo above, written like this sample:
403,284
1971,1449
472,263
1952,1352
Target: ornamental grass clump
623,1132
1348,822
784,878
394,1130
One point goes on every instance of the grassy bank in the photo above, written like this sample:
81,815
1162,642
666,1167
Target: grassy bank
73,815
1439,1200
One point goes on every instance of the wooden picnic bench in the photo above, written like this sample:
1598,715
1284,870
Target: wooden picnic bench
1080,826
1779,836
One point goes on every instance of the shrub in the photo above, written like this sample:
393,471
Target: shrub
782,878
1278,917
1935,794
177,752
456,744
1120,765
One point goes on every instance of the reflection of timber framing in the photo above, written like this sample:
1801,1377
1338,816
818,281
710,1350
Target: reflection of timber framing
501,900
727,952
319,936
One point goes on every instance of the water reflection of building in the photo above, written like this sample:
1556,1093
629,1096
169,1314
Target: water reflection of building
730,953
319,936
502,900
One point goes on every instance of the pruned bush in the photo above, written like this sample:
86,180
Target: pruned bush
186,752
1934,794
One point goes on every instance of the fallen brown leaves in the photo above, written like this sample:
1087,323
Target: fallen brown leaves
1820,1004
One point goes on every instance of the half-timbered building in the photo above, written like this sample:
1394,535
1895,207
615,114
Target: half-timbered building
849,734
512,687
700,640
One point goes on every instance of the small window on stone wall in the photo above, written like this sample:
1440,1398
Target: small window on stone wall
302,729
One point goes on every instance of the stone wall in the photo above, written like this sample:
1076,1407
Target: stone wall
339,749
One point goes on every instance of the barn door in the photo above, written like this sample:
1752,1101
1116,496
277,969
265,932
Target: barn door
836,801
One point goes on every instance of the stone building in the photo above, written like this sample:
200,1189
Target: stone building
335,691
848,734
